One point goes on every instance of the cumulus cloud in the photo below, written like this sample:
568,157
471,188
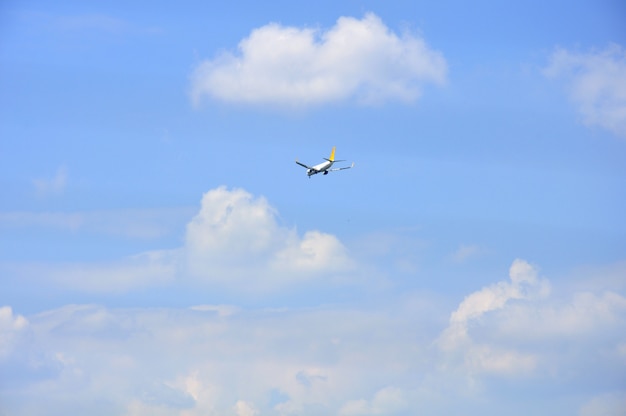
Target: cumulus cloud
234,241
524,285
355,59
231,224
519,327
596,83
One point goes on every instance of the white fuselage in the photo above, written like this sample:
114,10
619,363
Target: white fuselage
322,167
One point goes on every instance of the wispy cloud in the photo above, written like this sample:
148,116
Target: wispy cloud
149,269
596,83
86,23
126,223
54,185
360,60
466,252
605,404
92,22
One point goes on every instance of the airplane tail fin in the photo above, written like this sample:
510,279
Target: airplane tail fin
332,155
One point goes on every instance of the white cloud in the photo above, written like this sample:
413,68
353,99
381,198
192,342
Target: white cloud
481,358
314,252
11,326
524,285
519,328
231,224
356,59
245,409
221,310
596,83
373,359
186,361
234,242
605,405
52,186
584,313
387,401
235,239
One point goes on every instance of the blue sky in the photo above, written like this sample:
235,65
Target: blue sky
161,252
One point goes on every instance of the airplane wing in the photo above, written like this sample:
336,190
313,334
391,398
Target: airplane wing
345,167
303,165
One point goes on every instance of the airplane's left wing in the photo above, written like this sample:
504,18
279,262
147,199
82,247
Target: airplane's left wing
345,167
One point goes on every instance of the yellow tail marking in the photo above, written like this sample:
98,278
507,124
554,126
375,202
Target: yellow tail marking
332,155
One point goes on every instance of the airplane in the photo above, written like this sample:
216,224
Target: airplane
324,167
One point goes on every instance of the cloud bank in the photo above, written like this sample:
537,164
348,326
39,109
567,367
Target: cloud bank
596,83
360,60
387,359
